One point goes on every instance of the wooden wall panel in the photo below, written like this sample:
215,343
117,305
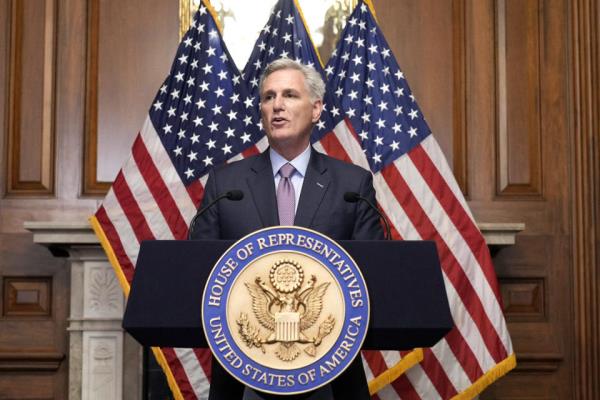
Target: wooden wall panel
518,140
31,98
126,64
413,29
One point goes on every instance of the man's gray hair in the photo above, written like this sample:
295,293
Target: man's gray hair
313,80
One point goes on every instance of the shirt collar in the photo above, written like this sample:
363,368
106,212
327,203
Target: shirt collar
300,163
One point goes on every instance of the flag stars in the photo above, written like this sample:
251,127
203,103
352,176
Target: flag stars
299,43
360,42
412,132
248,102
349,39
197,121
399,92
207,69
320,125
232,115
376,158
290,19
181,134
222,75
195,138
167,129
189,173
353,94
226,149
380,123
342,74
187,99
183,59
378,141
194,64
351,112
216,109
210,51
357,60
220,92
213,126
204,86
230,132
245,137
395,145
287,37
175,94
211,144
254,82
339,91
371,66
366,118
197,46
236,80
329,70
382,106
171,112
397,128
385,88
235,98
191,81
207,161
262,46
372,49
192,156
369,83
385,53
413,114
368,100
335,111
223,57
345,57
201,103
179,76
247,120
188,42
364,135
158,105
163,89
178,150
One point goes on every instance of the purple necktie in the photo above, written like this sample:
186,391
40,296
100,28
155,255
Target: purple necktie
286,200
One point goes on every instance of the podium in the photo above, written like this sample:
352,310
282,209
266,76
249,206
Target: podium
409,306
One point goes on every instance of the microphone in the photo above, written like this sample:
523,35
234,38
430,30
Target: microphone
353,197
233,195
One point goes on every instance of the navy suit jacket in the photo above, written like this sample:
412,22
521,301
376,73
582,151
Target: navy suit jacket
321,206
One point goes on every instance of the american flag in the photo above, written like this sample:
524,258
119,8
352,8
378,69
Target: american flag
416,189
202,116
285,35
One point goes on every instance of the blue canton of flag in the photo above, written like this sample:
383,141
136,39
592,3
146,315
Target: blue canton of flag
199,112
285,35
373,93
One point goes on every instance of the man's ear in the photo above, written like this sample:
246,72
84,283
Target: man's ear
316,111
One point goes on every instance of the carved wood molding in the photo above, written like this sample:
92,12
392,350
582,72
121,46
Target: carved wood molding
20,95
519,85
585,175
91,185
30,361
459,138
538,362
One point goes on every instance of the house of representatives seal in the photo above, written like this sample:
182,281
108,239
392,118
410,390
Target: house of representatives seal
285,310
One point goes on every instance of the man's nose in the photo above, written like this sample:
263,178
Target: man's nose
278,103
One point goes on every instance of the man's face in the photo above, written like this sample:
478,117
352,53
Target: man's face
288,114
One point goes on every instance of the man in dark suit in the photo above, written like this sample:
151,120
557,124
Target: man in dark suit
290,184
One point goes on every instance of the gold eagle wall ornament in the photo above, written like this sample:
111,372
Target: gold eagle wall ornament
286,310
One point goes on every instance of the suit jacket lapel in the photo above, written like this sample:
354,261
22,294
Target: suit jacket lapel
261,185
316,182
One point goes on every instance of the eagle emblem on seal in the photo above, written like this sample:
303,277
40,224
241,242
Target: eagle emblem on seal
286,310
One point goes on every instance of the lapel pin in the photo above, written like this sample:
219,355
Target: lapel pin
320,185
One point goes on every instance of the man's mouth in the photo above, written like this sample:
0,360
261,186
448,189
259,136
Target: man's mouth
278,121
